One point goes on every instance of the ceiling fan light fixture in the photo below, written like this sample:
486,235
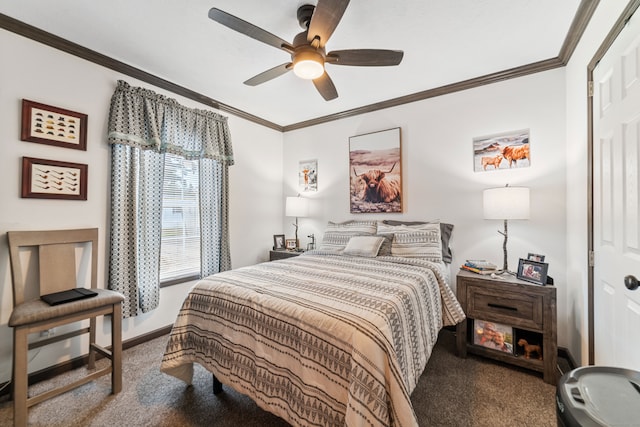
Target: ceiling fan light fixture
308,65
308,53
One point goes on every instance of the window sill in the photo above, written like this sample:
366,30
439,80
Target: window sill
179,280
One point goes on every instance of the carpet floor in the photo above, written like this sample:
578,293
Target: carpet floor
451,392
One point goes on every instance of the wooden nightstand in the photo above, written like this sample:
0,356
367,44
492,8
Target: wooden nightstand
274,255
530,309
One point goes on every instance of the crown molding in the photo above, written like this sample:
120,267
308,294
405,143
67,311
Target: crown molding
432,93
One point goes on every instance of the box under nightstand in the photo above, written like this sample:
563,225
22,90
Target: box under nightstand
529,309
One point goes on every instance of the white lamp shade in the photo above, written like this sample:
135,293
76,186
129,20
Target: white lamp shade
506,203
296,206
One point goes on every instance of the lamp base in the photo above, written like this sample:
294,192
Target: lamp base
501,272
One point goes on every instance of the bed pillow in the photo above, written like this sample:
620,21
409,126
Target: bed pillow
365,246
337,234
445,235
415,241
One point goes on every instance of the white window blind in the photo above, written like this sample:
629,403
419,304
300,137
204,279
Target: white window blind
180,247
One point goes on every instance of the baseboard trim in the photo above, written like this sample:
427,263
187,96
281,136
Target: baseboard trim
60,368
566,354
146,337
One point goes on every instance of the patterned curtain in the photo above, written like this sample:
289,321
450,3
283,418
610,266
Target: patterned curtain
142,127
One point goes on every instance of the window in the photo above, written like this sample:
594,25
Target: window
180,243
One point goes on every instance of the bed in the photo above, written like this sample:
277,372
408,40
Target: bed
332,337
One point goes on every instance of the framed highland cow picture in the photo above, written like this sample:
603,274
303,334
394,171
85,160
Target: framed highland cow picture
375,171
501,151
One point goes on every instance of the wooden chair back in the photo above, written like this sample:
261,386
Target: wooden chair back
44,262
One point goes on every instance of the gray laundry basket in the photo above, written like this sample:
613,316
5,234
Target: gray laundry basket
598,396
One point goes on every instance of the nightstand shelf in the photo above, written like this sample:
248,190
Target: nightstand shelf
275,255
529,309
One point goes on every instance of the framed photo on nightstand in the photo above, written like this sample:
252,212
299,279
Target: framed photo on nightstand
494,336
292,244
532,271
278,242
535,257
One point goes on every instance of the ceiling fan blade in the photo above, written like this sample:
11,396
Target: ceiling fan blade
325,19
365,57
248,29
326,87
265,76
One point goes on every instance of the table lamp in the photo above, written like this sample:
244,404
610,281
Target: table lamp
506,203
297,207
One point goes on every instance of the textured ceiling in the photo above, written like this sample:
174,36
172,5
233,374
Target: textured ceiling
444,42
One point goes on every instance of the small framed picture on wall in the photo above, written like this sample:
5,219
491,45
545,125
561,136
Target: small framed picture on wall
506,150
51,179
308,175
50,125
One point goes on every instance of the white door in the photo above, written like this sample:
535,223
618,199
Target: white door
616,199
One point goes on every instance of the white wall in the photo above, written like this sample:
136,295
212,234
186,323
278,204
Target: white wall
45,75
438,177
577,175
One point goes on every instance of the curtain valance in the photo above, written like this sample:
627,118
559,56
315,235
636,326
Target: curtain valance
144,119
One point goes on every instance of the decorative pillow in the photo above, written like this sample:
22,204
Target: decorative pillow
415,241
334,241
337,234
445,235
385,248
365,246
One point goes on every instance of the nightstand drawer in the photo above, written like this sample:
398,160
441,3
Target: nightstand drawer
499,305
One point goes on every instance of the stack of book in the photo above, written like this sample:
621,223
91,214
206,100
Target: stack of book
479,266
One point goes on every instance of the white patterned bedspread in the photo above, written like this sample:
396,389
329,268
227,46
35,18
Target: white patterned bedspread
318,339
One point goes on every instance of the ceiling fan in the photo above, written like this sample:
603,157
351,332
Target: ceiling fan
308,55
